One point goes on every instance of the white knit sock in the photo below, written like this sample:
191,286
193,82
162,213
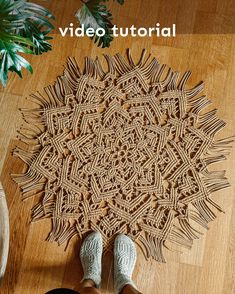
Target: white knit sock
124,262
90,255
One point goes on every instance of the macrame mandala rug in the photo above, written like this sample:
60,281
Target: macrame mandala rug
123,150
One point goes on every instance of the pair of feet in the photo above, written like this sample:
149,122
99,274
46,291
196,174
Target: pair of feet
124,260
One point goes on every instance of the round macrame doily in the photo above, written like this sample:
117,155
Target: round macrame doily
123,150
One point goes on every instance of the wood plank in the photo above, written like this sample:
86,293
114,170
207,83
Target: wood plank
35,266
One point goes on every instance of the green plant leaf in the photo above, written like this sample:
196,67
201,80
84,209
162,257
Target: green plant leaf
120,1
10,60
23,29
95,15
38,38
36,26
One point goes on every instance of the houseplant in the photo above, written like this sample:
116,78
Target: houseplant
24,28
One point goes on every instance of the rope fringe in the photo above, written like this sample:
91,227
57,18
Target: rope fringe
149,179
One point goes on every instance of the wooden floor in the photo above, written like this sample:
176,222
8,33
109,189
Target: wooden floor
36,266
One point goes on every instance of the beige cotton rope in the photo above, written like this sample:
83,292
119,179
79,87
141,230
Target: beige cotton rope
123,150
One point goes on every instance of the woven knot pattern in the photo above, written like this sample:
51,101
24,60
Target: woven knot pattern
124,150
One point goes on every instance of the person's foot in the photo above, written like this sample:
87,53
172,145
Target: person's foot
124,262
90,255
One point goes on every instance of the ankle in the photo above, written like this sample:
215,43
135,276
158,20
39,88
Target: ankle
129,289
88,283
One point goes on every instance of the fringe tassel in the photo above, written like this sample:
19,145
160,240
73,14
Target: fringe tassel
223,142
32,117
90,68
151,247
203,118
158,73
72,73
150,69
156,81
111,64
43,210
28,182
214,174
222,146
65,86
53,96
60,88
216,184
198,104
37,189
29,133
191,93
172,85
131,62
72,68
212,125
62,231
179,237
121,65
40,100
183,81
204,211
99,68
141,61
188,230
29,141
25,156
209,200
196,217
213,159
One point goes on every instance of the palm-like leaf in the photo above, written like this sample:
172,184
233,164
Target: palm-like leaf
10,60
95,15
120,1
23,29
